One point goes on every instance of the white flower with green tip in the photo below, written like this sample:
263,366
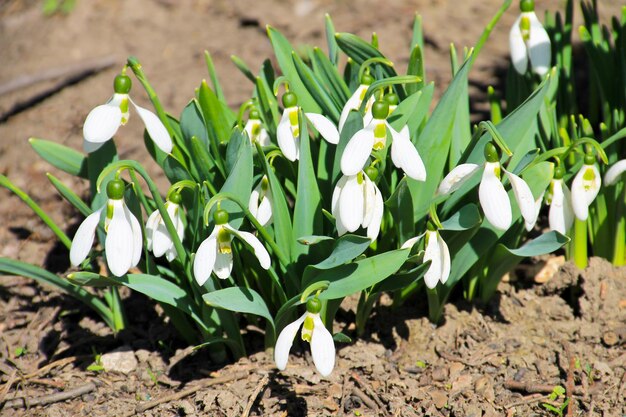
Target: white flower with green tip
215,253
314,332
158,239
373,137
355,101
585,187
357,201
529,41
493,198
255,130
288,129
103,121
558,197
260,203
436,251
123,241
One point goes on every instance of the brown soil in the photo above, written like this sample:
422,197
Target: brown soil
404,365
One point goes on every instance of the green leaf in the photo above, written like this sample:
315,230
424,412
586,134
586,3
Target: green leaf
360,51
333,48
243,67
347,247
241,300
353,277
328,72
60,156
341,338
316,89
283,51
84,279
192,123
239,183
13,267
313,240
307,218
213,75
163,291
416,67
401,207
70,196
464,219
218,117
546,243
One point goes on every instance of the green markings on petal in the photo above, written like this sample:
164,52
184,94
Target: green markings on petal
590,176
307,328
223,241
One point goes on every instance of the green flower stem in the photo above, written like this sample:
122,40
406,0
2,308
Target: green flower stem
363,310
5,182
117,309
580,243
620,230
139,193
434,305
488,29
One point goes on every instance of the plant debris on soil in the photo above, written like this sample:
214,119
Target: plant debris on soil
57,359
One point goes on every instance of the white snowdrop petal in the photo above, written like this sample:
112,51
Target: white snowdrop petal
369,200
137,236
405,156
351,205
118,244
151,225
102,123
494,199
253,202
613,174
517,48
322,347
284,342
432,253
83,239
161,239
524,197
374,226
584,191
353,103
325,127
205,259
223,264
357,151
560,216
445,259
286,141
90,147
259,250
456,178
264,138
171,254
334,207
409,243
264,213
156,129
539,49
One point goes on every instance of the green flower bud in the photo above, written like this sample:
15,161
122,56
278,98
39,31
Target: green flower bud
289,99
122,84
392,99
380,109
175,198
314,305
491,153
371,172
115,189
254,114
590,159
220,217
559,172
527,5
367,79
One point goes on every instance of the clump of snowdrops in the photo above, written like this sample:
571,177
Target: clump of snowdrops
333,179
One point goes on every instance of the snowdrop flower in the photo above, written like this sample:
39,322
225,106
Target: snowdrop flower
357,201
373,137
123,241
558,197
260,203
528,40
436,251
255,130
103,121
585,187
494,199
355,101
314,332
215,252
288,130
613,174
158,239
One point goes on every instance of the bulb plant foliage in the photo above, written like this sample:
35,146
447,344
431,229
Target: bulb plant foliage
332,180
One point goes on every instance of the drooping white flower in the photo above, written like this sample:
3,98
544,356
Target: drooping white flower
123,241
215,252
529,41
103,121
158,239
357,201
288,129
585,188
373,137
260,203
314,332
494,199
436,251
614,173
255,130
558,197
355,101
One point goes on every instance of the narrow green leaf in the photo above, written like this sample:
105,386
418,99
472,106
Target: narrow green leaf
239,183
213,75
347,247
90,279
333,48
240,300
546,243
60,156
464,219
316,89
70,196
217,115
243,67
